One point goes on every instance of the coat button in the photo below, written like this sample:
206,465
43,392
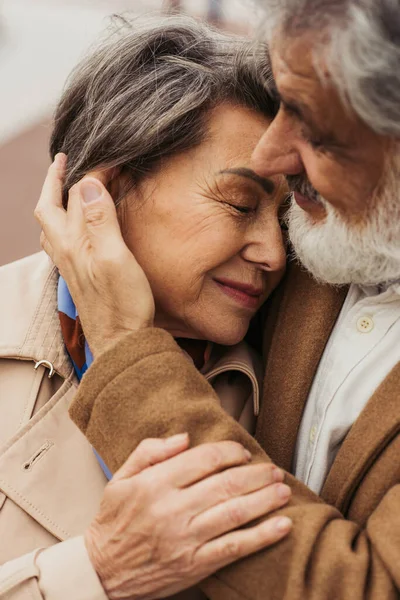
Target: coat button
365,324
313,433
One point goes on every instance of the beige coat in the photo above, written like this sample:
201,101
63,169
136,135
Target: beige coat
50,481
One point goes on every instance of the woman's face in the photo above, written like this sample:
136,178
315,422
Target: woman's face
206,232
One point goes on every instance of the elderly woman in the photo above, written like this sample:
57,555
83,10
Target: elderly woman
166,115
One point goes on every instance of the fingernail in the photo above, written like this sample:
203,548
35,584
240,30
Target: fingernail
90,191
283,491
277,474
247,454
60,160
176,439
283,524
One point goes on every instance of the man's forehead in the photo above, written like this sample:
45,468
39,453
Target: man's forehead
294,57
309,93
301,87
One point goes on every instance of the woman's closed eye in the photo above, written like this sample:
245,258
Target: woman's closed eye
243,209
242,201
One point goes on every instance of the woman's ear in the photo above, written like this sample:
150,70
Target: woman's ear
119,185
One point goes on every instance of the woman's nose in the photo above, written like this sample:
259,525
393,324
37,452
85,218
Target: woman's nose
266,248
275,153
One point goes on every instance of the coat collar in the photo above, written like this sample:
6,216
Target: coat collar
303,314
241,358
29,314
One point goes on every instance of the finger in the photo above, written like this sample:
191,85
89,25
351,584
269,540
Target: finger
232,483
75,194
236,512
92,209
150,452
200,462
49,211
233,546
46,246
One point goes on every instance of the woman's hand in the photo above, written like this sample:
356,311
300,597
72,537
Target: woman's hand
109,288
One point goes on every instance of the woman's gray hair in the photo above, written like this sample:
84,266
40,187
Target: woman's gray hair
359,44
145,94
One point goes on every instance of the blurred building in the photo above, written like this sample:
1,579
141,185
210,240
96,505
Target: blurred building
40,42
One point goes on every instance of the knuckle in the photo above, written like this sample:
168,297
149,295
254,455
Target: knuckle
148,482
214,457
146,445
96,216
65,247
232,548
149,451
265,472
156,514
231,484
282,493
235,514
38,214
234,448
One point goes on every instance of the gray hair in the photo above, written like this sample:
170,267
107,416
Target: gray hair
359,42
146,92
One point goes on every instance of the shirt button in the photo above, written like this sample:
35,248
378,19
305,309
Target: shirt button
365,324
313,433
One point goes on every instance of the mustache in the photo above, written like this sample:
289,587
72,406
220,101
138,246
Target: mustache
300,184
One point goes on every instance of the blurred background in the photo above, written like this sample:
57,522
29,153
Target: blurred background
40,42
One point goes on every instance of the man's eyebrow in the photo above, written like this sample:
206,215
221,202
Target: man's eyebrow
301,111
266,184
303,114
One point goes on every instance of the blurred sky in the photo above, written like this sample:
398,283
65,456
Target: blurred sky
40,42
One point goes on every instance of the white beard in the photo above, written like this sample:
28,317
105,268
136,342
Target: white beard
338,253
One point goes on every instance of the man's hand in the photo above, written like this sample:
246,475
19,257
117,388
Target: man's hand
109,288
164,527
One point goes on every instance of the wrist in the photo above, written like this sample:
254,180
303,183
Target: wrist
108,339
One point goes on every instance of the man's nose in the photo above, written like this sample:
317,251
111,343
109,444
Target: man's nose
275,153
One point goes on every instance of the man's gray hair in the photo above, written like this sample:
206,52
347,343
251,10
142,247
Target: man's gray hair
359,43
146,93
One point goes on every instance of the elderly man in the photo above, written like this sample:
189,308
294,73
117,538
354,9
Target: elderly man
330,413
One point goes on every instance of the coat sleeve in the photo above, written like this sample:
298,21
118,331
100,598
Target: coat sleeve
61,572
145,387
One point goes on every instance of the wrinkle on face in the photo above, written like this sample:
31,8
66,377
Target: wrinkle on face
191,228
348,167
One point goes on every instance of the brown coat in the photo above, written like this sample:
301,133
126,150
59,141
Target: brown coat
346,543
50,481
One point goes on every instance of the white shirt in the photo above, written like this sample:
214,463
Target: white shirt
363,348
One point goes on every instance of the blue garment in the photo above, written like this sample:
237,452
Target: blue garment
67,307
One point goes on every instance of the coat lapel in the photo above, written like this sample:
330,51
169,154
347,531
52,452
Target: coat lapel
377,425
304,315
48,467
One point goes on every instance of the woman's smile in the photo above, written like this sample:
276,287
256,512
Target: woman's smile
247,295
